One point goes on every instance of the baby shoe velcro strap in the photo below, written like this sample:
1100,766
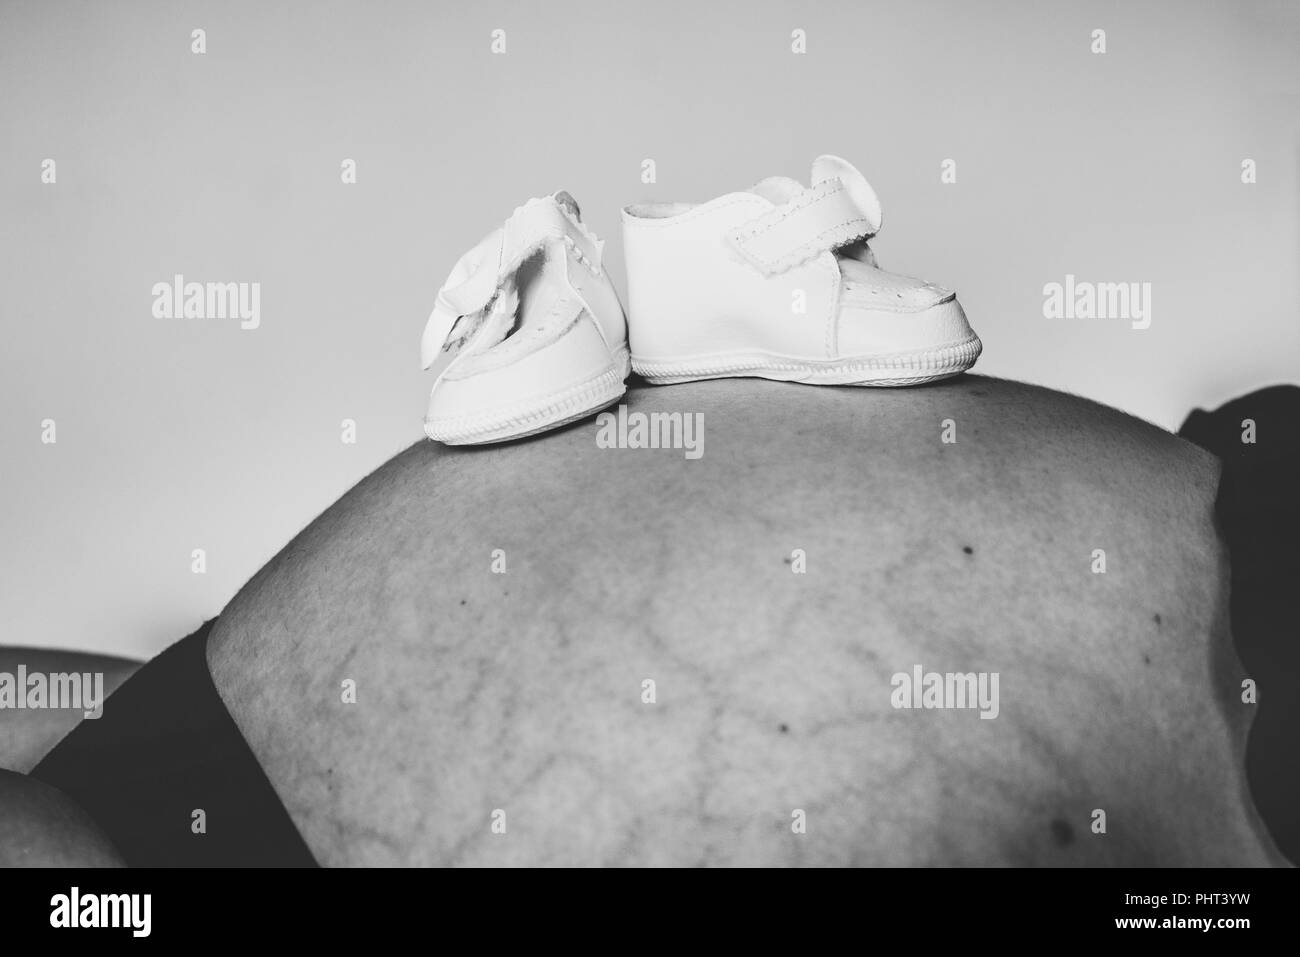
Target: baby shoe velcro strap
478,274
818,219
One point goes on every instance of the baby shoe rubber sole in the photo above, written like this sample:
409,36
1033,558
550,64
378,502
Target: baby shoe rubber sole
899,369
527,333
535,416
779,282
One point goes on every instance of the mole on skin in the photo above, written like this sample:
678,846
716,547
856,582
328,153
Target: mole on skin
1062,833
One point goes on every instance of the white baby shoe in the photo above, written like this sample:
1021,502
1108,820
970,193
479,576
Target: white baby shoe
779,282
527,333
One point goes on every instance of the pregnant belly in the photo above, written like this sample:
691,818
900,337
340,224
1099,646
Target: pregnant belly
549,652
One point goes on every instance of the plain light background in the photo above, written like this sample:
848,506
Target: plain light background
178,434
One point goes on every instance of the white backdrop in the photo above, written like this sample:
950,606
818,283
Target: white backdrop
178,434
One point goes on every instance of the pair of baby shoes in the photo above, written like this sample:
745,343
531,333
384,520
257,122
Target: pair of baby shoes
778,282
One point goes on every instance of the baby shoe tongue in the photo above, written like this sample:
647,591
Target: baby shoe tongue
864,197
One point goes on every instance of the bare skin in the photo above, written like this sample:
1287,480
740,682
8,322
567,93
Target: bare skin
523,692
42,827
